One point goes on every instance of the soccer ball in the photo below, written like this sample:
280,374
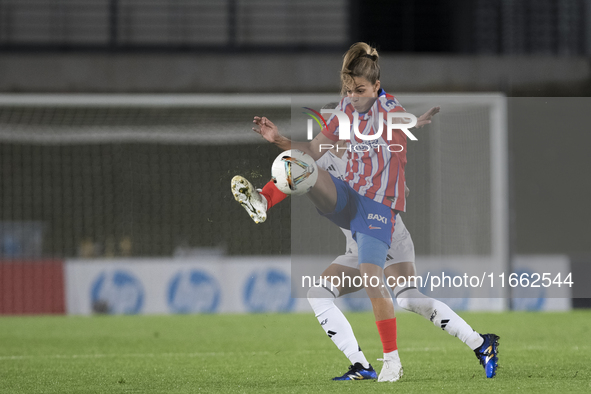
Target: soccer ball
294,172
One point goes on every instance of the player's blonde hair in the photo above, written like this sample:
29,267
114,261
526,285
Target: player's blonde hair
361,60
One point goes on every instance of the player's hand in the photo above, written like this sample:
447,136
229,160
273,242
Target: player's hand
406,191
266,129
425,118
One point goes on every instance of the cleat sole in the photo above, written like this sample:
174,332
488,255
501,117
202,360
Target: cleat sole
245,194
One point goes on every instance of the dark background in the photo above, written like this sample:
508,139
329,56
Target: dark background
166,195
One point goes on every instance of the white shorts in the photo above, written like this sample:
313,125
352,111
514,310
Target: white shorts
402,250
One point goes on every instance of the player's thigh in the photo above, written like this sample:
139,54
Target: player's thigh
344,268
324,192
399,273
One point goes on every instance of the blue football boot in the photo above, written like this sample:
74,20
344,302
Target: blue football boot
487,354
357,372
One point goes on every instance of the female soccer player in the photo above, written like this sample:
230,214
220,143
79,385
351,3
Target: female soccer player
399,264
372,194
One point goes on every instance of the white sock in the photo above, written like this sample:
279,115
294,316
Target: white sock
263,198
439,313
335,324
392,355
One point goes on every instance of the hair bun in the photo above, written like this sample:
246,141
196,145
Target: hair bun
354,65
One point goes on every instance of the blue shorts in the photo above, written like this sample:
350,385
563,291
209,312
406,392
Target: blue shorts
361,214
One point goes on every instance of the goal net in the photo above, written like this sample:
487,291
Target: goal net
137,175
149,175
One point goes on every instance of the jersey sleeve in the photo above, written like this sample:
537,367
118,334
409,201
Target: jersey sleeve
332,131
390,104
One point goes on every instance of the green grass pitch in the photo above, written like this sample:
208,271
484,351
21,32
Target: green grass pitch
283,353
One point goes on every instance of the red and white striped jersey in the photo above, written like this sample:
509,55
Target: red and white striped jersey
373,170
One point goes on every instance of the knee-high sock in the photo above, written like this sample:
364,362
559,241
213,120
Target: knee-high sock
387,331
273,195
439,313
335,324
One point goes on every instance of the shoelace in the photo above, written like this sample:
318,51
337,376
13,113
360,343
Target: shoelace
353,371
387,365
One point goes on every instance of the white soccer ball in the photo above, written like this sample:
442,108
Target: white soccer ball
294,172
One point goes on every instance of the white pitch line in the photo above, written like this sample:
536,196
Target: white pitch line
133,355
195,354
225,354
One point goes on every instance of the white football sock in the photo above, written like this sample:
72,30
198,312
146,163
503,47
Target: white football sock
263,198
335,324
392,356
440,314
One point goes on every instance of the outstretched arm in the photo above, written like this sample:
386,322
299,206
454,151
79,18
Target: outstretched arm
425,118
269,131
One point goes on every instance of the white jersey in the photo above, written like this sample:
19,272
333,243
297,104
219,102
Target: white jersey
335,166
401,249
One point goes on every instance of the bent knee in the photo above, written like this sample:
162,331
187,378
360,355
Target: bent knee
320,292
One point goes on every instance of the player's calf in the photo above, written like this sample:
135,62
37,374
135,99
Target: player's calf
338,329
442,316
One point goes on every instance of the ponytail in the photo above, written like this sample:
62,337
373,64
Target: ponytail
361,60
